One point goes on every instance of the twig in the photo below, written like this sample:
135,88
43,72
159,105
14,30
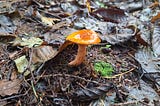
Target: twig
33,88
130,102
120,74
29,64
67,75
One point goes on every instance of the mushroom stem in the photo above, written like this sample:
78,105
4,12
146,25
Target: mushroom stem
64,45
80,56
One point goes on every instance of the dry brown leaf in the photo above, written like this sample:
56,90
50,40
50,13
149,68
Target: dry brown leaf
155,18
42,54
140,40
47,21
9,87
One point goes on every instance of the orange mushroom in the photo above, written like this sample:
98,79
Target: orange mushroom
82,38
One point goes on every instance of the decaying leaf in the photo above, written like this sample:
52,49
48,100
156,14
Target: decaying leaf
85,94
111,14
59,36
31,42
146,92
7,29
6,26
141,40
9,87
147,60
93,24
155,18
120,34
43,53
69,8
7,6
47,21
156,38
22,64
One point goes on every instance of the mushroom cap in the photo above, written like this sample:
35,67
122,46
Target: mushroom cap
84,36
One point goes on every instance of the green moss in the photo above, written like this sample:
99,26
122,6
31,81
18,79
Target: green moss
104,68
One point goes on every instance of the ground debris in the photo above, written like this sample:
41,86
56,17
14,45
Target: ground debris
121,70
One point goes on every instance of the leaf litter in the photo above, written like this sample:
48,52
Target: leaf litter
53,82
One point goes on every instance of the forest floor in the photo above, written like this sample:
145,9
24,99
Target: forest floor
122,70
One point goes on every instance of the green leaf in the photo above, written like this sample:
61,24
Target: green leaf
104,68
108,46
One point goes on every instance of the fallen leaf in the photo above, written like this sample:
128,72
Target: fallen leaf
31,42
7,6
140,40
85,94
156,39
146,92
7,29
43,53
48,21
6,26
111,14
120,34
146,58
22,64
155,18
9,87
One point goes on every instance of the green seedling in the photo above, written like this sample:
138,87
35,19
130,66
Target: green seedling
106,49
108,46
100,4
104,68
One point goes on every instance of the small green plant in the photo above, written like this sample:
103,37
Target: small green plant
100,3
106,49
108,46
104,68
